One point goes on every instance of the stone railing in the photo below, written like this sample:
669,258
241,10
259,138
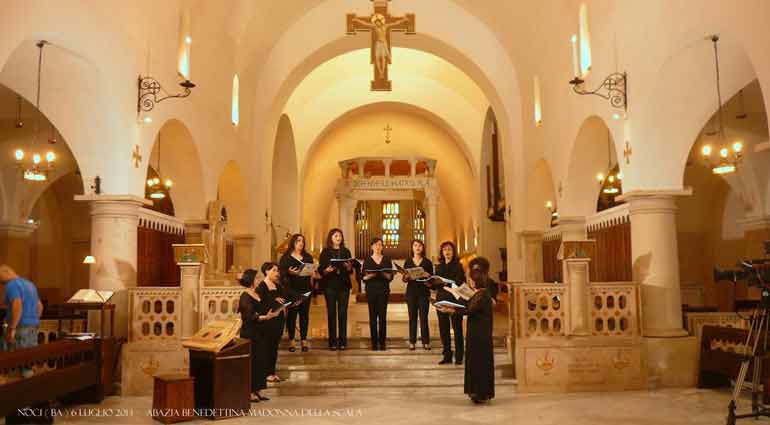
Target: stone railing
389,166
49,330
156,314
541,309
608,218
614,309
727,319
158,221
218,302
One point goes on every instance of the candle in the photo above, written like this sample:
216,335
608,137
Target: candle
575,72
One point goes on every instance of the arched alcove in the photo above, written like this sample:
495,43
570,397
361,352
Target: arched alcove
540,192
492,234
593,153
174,156
231,189
284,205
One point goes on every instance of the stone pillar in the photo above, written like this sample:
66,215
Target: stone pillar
576,278
431,230
16,246
533,255
387,162
412,167
191,282
573,228
361,164
655,259
114,222
347,206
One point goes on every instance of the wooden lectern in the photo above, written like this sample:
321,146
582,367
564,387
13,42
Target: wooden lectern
222,371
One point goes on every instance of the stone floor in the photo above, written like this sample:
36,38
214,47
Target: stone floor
675,406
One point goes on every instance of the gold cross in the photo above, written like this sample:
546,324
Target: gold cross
381,24
387,129
136,156
627,152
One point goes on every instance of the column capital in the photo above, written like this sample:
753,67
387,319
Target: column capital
754,223
531,234
114,205
17,228
653,201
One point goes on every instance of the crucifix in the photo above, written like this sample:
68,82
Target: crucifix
627,152
387,129
136,156
381,24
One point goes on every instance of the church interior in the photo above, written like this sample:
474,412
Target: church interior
610,159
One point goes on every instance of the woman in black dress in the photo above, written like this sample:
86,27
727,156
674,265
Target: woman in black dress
479,352
291,264
378,272
255,315
449,267
418,295
274,295
335,266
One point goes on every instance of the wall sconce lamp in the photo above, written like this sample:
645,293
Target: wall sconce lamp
150,92
89,259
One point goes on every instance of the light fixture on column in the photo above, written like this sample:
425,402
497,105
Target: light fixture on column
19,121
37,169
729,154
549,205
89,259
156,190
150,92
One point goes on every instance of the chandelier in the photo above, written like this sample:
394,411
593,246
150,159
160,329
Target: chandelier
154,187
610,183
730,155
37,170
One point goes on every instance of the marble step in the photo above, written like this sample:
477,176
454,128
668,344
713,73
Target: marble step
365,358
426,375
379,386
391,342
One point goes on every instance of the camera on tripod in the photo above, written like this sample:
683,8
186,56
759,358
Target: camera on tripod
755,272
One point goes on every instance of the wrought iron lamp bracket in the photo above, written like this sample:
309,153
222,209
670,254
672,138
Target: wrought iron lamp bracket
614,88
150,92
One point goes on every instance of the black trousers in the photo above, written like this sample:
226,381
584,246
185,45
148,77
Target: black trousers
417,304
303,311
337,315
378,312
273,339
456,321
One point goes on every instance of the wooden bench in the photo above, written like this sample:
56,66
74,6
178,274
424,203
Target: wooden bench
722,350
80,371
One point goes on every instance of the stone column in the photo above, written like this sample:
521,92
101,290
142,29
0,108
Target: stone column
655,259
347,206
114,222
191,274
387,162
431,230
573,228
193,230
16,246
576,278
533,255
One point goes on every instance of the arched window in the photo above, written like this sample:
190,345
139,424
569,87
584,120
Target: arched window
235,114
585,42
185,42
391,224
538,102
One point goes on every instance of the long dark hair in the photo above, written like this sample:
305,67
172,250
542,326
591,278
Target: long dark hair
329,243
441,252
293,242
411,247
374,241
479,268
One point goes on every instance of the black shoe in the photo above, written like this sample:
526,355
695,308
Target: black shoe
333,347
426,346
341,347
262,398
458,361
292,349
382,347
305,348
445,361
411,346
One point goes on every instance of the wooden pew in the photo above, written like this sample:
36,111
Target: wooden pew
68,370
721,353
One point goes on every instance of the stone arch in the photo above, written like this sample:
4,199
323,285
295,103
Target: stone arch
180,162
231,190
540,190
590,155
666,130
284,198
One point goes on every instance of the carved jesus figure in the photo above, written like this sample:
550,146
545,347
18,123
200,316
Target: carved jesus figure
380,28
